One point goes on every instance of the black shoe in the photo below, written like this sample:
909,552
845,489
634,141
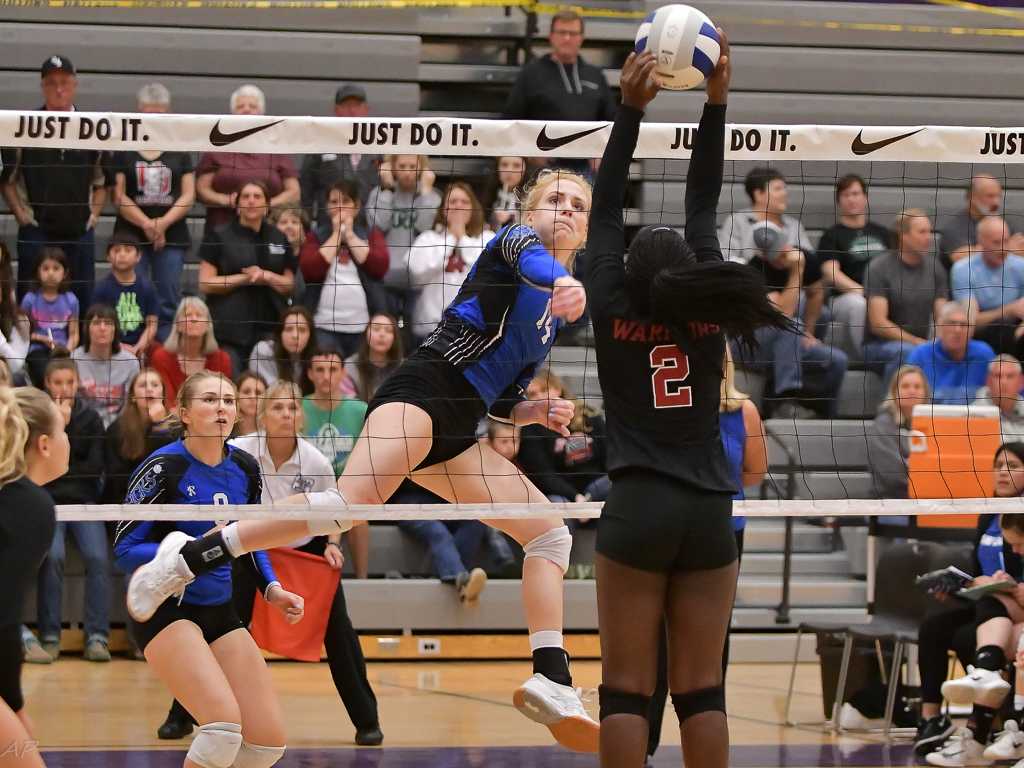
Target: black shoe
369,737
174,727
931,733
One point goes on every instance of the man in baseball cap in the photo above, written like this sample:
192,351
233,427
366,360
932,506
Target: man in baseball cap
58,63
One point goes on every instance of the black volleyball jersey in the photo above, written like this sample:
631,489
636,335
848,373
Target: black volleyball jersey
661,393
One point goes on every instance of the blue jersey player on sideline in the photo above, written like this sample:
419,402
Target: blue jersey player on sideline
422,425
195,641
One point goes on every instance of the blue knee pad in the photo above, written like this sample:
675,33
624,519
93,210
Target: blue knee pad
615,702
703,700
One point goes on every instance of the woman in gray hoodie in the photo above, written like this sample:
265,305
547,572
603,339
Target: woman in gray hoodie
888,435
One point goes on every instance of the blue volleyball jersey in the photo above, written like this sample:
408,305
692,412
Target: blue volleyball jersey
499,326
172,475
734,440
990,549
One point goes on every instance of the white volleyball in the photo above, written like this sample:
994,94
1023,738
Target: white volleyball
685,42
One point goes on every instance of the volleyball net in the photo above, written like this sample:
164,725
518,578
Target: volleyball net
826,458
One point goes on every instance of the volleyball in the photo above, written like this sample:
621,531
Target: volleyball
686,44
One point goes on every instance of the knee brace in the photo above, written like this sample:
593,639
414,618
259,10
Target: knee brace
989,608
216,745
554,545
694,702
614,702
255,756
329,498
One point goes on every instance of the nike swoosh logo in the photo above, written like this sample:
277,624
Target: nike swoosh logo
546,143
861,147
221,139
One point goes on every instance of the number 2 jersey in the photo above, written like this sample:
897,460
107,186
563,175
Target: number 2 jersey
661,391
172,475
499,325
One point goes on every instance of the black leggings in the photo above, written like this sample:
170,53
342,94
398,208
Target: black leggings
660,697
949,626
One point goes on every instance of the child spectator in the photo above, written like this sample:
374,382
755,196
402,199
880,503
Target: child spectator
286,356
334,420
565,469
293,223
81,485
131,295
378,357
191,347
442,257
104,369
52,310
343,264
404,205
251,387
139,430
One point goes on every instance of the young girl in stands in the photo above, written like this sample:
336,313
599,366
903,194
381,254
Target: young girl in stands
140,429
378,357
53,311
15,327
286,356
504,202
251,387
33,452
196,644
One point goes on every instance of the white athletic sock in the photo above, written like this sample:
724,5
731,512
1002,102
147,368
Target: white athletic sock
1018,702
232,541
546,638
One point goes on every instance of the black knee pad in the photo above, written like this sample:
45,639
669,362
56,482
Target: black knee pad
694,702
615,702
989,608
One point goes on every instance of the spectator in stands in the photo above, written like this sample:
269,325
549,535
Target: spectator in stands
15,327
81,485
293,224
888,435
565,469
247,270
323,171
104,369
505,194
803,370
404,205
191,347
251,387
286,356
154,192
442,257
288,465
950,624
955,365
769,197
959,232
132,296
561,85
52,310
139,429
994,618
905,290
220,176
503,438
844,251
334,419
452,544
348,258
1002,389
64,192
378,357
994,278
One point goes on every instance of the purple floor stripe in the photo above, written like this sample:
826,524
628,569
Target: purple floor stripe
742,756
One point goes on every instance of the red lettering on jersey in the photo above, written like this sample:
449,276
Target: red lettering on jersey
698,329
633,330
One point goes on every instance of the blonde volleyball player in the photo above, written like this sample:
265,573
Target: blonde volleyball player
34,450
197,644
422,422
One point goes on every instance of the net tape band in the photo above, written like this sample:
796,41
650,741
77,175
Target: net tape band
493,138
580,510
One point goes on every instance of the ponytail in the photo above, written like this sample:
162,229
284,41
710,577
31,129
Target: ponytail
730,295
